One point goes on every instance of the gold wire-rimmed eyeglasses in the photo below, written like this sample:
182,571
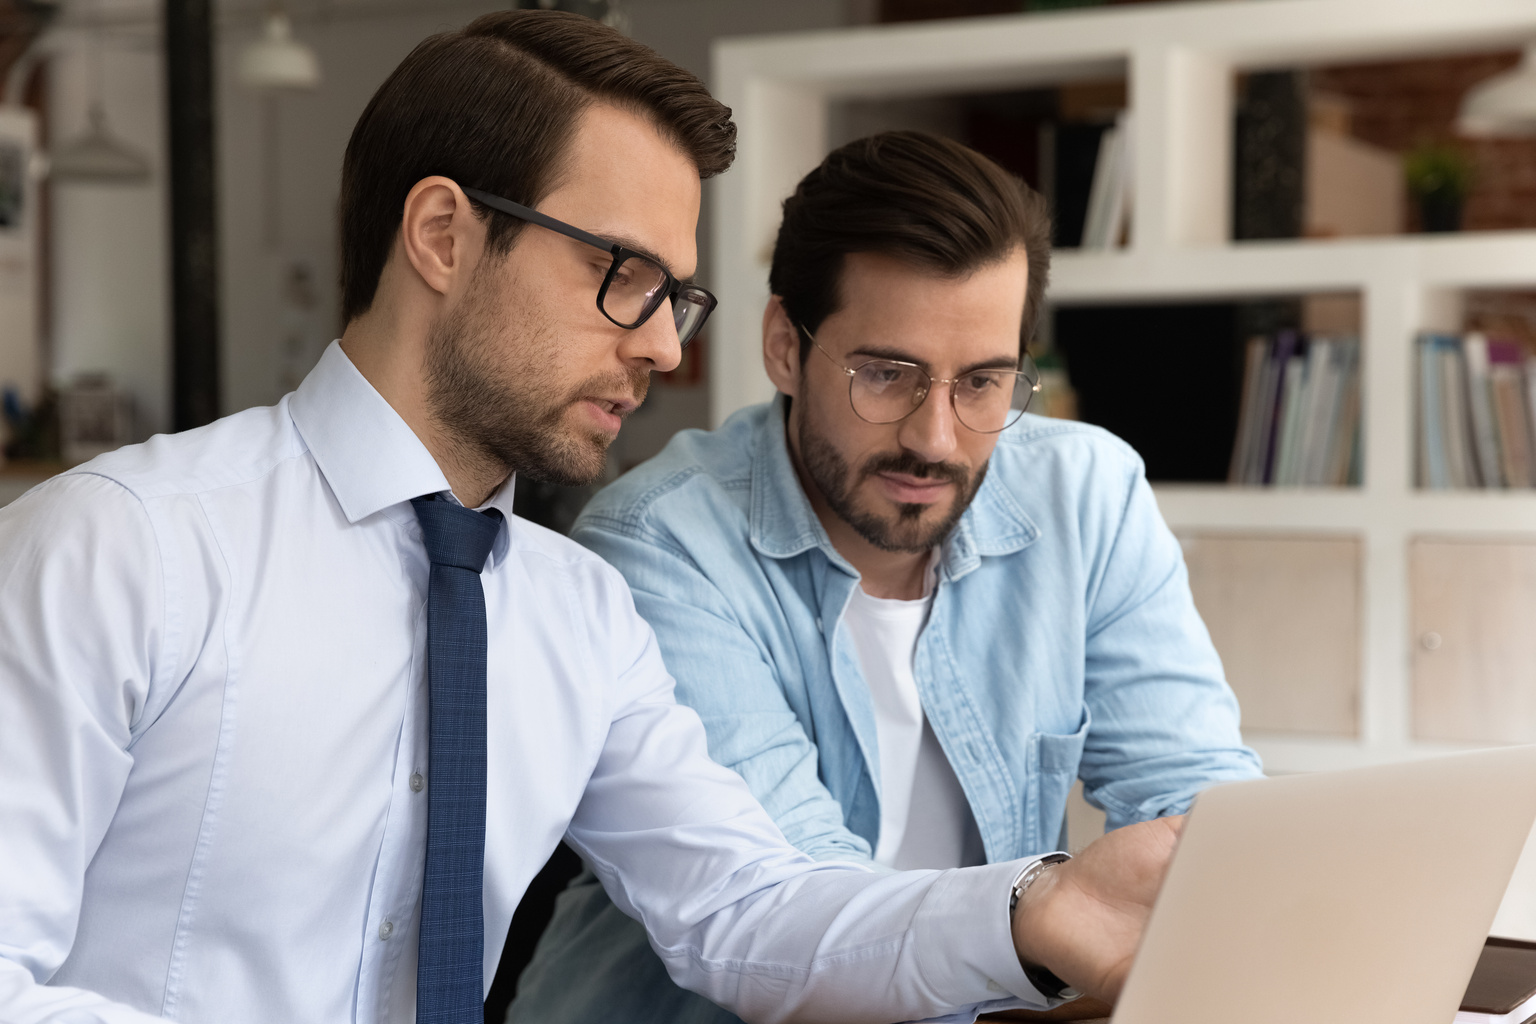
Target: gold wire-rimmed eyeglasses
986,401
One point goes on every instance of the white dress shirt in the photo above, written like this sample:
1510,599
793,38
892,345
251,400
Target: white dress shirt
214,768
925,820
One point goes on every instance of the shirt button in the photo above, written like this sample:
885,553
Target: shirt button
386,930
417,782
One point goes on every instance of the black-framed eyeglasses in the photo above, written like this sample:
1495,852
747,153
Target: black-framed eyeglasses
890,390
635,285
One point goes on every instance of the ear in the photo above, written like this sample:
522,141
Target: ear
440,235
781,348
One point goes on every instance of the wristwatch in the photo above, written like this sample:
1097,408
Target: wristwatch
1046,983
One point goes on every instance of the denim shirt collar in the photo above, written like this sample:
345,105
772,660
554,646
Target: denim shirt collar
783,524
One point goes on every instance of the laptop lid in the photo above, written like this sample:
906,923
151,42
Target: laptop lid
1360,895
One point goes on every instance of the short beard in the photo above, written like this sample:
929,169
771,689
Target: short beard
514,421
829,471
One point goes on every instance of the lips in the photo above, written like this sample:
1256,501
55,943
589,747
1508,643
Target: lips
608,405
913,490
610,412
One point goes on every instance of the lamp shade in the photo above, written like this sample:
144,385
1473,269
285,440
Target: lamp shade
1504,105
277,60
96,156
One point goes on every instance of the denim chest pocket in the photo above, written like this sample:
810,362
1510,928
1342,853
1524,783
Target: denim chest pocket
1053,762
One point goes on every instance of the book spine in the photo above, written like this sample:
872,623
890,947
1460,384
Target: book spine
1293,418
1530,411
1424,352
1509,417
1280,359
1243,446
1322,383
1433,449
1264,418
1455,424
1346,433
1101,194
1479,400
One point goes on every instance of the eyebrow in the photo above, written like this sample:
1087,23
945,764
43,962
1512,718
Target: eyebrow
636,246
876,352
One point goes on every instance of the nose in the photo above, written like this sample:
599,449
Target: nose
929,432
654,344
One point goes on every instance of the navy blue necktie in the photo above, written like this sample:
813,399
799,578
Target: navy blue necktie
450,984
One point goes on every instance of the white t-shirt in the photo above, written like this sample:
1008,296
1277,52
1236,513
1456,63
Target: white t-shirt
925,821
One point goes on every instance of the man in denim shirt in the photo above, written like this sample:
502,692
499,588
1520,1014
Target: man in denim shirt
909,614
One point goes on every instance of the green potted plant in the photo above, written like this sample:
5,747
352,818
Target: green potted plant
1439,178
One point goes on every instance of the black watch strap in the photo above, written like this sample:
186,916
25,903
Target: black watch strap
1046,983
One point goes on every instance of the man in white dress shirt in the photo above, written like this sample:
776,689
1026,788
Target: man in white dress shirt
214,774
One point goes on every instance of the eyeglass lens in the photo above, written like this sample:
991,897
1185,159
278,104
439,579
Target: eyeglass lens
985,401
637,286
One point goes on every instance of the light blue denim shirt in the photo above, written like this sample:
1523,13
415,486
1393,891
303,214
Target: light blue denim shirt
1062,643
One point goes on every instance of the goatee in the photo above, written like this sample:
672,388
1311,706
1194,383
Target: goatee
830,472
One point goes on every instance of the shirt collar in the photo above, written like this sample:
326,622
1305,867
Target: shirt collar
369,456
783,523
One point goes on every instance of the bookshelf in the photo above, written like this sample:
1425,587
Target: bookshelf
1180,62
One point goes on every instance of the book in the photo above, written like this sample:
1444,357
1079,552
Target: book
1530,408
1284,348
1264,417
1293,411
1105,219
1485,436
1424,420
1298,421
1074,150
1431,461
1344,468
1509,416
1455,426
1322,408
1507,392
1255,362
1476,402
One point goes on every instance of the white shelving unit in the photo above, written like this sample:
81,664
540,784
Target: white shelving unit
1179,62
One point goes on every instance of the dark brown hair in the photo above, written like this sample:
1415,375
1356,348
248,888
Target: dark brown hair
493,106
917,197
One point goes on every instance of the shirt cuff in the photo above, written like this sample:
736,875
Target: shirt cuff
967,914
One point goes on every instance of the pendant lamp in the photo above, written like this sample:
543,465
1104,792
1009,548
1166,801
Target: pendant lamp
1504,105
95,155
277,60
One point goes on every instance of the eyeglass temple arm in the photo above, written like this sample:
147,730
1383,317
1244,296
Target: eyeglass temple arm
533,216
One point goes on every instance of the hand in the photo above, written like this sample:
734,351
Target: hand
1082,919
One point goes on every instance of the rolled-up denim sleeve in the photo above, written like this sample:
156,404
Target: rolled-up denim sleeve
1165,722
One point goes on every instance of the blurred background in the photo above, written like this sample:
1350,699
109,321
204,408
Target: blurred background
1296,270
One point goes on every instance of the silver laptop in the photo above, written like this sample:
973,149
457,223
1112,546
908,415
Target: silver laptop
1347,897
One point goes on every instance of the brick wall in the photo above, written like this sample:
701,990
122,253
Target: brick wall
1400,104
